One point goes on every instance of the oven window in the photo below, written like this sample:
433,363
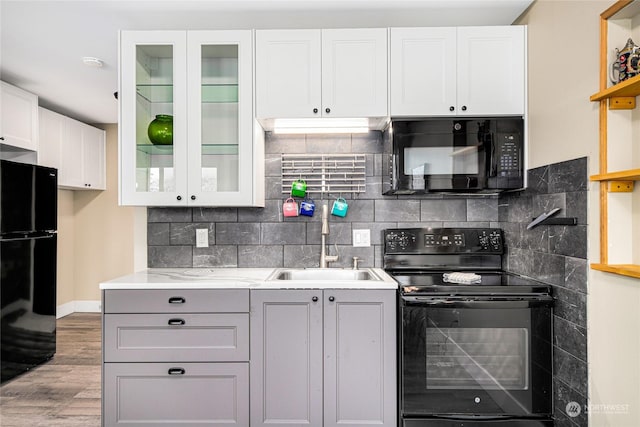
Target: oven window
477,358
444,160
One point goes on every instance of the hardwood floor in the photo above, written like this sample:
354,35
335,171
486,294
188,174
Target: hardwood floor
64,391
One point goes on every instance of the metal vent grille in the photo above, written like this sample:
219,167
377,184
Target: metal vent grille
325,173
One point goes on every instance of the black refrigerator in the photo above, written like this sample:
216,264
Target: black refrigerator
28,222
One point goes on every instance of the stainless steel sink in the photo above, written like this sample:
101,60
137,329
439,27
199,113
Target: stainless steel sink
324,274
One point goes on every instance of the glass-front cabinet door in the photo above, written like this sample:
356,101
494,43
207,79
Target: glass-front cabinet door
220,119
186,119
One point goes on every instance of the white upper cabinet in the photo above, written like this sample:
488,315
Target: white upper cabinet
463,71
321,73
203,80
19,118
76,149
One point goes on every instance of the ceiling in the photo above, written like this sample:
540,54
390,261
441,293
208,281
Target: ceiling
43,42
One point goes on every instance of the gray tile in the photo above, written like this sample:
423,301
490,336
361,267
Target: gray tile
272,212
425,224
216,256
538,180
482,210
157,233
271,256
577,206
346,254
377,255
568,176
369,166
563,395
339,233
373,189
215,214
238,233
377,165
169,256
465,224
290,144
273,188
512,233
443,210
570,370
568,240
571,306
396,210
301,256
518,209
273,165
570,337
367,143
185,234
328,144
547,268
359,211
169,215
283,233
575,274
545,202
536,239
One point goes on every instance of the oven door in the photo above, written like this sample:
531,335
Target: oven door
483,357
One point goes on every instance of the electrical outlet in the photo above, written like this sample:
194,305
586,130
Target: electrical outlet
361,238
202,238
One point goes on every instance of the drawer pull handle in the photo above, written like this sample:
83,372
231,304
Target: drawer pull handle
177,371
177,322
177,300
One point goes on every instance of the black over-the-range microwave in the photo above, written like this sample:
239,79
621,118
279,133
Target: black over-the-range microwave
454,155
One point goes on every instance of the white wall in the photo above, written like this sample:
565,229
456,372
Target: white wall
563,124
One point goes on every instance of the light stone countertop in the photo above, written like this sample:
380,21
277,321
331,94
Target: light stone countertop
237,278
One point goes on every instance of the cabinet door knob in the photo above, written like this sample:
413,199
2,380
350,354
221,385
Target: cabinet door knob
315,111
177,300
177,322
179,197
314,299
452,108
176,371
464,108
193,197
332,299
327,110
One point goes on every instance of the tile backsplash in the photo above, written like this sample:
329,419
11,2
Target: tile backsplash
556,255
263,237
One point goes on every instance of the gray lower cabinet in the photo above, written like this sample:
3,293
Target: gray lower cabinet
323,358
175,358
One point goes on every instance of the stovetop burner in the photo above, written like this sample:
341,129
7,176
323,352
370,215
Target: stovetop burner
418,258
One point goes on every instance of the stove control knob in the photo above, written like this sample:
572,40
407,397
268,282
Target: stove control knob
476,399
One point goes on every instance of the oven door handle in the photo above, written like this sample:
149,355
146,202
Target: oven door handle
480,302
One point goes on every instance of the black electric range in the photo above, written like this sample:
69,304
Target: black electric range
475,342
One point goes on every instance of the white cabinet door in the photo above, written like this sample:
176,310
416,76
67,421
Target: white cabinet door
93,158
52,129
354,72
288,66
71,174
321,73
491,70
153,82
82,156
220,123
423,71
360,358
286,358
463,71
19,117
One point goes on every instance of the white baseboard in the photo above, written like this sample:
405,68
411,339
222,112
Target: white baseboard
78,307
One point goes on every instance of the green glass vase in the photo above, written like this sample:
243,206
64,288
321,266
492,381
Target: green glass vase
160,130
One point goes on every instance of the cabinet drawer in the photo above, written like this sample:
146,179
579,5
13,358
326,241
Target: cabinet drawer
176,337
176,301
187,394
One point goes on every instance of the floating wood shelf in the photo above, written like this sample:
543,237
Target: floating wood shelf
627,88
627,175
631,270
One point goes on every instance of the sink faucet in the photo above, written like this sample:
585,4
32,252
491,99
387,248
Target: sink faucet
325,258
